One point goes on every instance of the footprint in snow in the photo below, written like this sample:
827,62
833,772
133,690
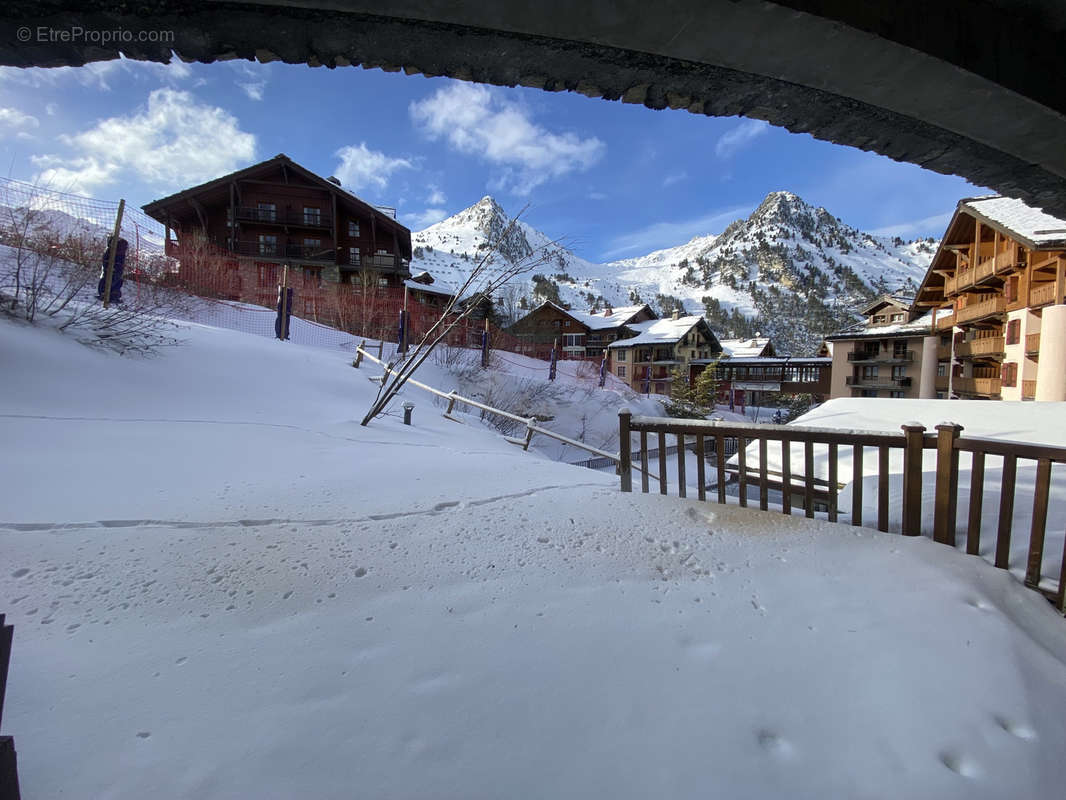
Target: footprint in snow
1015,728
960,763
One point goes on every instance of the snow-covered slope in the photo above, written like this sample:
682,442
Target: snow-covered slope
223,586
790,270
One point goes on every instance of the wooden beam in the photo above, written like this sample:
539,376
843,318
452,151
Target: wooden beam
199,209
1060,280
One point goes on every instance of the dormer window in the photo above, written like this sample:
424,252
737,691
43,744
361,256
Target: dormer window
897,317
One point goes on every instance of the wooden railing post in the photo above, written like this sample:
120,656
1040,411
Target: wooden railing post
914,438
947,483
625,454
359,355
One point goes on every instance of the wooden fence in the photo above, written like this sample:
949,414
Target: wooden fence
911,443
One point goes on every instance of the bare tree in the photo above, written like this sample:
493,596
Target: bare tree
479,285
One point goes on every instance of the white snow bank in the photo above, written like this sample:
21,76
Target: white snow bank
266,600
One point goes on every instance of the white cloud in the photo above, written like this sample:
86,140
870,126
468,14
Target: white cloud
173,143
478,121
17,123
739,137
430,216
51,109
670,234
362,168
252,80
914,229
436,196
673,178
97,74
597,196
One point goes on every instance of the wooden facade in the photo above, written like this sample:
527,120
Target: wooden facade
575,334
998,284
762,380
278,213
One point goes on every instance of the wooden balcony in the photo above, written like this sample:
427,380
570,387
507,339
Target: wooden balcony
964,280
1028,390
982,310
977,387
943,352
990,347
266,216
945,323
941,383
1032,344
1042,294
984,271
1006,262
951,286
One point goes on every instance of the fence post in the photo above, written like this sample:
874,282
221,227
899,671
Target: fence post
914,438
359,354
9,775
947,483
625,455
109,270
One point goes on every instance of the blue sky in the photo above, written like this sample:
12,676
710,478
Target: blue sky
614,180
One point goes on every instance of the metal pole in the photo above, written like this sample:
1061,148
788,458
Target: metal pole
109,273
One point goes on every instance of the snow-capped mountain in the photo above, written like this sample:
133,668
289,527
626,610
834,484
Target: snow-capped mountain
789,270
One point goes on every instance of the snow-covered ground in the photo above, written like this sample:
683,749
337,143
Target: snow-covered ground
223,586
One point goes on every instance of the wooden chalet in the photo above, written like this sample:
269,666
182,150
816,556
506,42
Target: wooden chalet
761,380
997,284
580,334
647,359
279,213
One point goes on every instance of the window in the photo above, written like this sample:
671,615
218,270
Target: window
897,317
383,283
895,394
899,348
556,323
869,372
312,278
353,256
353,228
942,369
1009,374
573,340
312,216
621,371
267,274
898,372
566,323
693,354
1014,331
268,244
620,355
312,242
1010,289
267,212
309,307
868,393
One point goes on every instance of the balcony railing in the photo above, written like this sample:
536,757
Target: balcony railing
1032,343
1042,294
297,252
977,386
981,310
941,383
950,286
943,352
284,217
945,323
872,382
984,270
991,346
964,279
1005,262
1028,390
884,356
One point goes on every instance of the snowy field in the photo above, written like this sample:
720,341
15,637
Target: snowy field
222,586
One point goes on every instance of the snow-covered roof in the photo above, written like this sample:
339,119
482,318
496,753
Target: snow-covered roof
1032,224
919,325
425,287
600,320
743,348
659,331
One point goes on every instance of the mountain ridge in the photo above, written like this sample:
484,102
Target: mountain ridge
791,270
